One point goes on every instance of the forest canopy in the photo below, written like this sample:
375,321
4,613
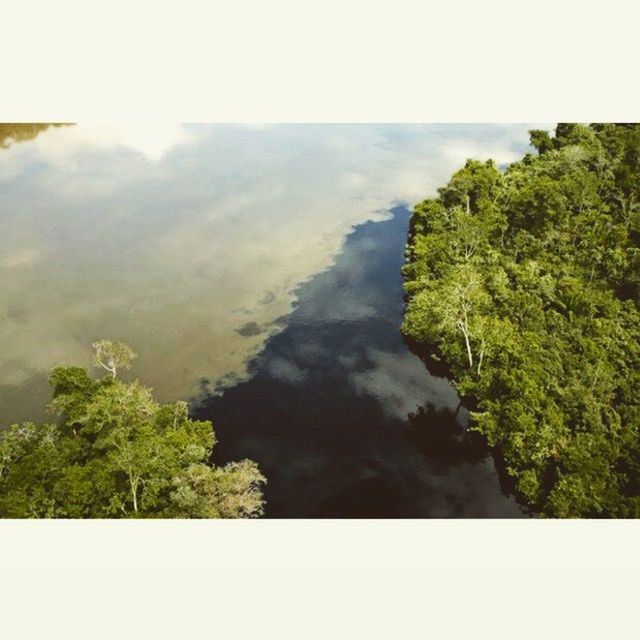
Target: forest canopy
114,452
526,284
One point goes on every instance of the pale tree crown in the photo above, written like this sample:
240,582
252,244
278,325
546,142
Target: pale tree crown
112,356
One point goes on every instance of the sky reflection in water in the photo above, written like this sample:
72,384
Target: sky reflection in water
187,241
343,420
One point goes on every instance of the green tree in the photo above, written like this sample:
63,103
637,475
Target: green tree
112,356
527,284
115,452
541,140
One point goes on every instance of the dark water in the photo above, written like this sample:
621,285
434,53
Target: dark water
342,418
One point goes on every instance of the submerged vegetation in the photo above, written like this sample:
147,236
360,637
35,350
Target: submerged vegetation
114,452
526,284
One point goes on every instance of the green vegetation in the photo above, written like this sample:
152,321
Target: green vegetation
526,283
115,453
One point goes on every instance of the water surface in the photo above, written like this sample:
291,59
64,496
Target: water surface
188,241
218,253
341,417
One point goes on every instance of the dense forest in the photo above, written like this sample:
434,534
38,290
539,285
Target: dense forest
525,284
113,452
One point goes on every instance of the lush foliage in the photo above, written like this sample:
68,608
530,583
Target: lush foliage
114,452
526,283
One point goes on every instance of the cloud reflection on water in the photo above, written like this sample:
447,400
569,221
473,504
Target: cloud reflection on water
173,238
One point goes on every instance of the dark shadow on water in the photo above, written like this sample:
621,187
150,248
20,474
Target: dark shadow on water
342,418
442,440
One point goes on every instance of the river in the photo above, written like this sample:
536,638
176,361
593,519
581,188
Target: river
255,271
342,418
